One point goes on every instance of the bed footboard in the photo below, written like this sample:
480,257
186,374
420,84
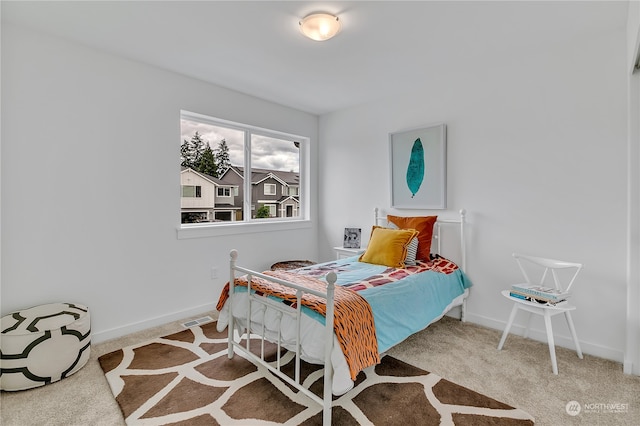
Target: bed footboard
282,311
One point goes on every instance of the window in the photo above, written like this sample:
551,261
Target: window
218,154
269,189
191,191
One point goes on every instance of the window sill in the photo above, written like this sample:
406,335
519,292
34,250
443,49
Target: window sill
207,230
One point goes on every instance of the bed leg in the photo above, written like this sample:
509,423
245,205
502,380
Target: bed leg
328,368
463,311
326,414
233,256
230,339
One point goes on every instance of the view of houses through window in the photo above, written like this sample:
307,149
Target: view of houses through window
214,157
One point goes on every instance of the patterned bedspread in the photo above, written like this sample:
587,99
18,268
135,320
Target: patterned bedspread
403,301
389,275
353,319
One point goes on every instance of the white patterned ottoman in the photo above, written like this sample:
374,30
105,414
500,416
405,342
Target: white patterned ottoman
43,344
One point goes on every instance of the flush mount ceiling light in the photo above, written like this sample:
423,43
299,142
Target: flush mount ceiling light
320,26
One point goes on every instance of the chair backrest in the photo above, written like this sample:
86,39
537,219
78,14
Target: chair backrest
545,266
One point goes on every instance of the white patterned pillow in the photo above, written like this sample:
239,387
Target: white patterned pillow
412,248
412,252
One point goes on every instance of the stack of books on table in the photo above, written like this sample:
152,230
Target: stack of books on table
538,293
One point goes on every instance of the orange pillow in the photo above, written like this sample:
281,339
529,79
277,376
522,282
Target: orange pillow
424,225
388,247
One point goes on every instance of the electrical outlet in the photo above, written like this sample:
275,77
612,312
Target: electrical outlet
214,273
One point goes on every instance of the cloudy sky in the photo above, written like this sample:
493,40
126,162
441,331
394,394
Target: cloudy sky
266,153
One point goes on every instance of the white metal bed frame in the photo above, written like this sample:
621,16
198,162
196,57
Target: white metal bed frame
438,239
296,313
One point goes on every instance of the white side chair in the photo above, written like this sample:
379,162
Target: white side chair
544,266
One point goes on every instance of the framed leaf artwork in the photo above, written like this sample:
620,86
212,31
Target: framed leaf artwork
418,160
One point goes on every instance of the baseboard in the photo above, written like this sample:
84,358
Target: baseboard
541,335
102,336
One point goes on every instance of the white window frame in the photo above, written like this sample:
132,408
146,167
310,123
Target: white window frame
250,225
197,189
271,186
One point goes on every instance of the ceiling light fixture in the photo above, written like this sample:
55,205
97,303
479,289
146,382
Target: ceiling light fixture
320,26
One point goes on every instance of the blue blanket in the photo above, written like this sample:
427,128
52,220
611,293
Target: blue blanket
400,308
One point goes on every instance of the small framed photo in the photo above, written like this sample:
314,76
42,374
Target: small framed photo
352,237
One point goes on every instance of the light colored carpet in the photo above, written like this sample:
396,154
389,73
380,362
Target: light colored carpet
519,375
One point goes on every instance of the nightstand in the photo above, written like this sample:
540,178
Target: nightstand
342,252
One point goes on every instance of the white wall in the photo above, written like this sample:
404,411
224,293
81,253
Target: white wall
91,186
536,154
632,354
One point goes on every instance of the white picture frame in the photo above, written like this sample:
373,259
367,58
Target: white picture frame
352,237
418,168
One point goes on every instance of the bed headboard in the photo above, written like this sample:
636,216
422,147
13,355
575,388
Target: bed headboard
380,219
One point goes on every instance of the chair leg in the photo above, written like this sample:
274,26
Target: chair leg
573,333
528,325
552,347
508,327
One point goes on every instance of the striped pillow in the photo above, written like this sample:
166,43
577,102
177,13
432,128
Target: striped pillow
412,248
412,252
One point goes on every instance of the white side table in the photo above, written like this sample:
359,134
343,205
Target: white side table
342,252
547,311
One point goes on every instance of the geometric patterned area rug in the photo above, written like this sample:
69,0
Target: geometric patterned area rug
186,379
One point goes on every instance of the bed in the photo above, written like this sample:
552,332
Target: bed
345,313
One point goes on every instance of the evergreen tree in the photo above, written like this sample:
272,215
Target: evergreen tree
185,159
223,162
207,162
191,151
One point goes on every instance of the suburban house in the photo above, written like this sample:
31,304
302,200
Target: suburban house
541,101
276,189
205,198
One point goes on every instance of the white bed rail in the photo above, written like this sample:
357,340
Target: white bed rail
437,237
296,313
461,222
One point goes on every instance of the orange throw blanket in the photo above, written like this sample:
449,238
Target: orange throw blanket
353,319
